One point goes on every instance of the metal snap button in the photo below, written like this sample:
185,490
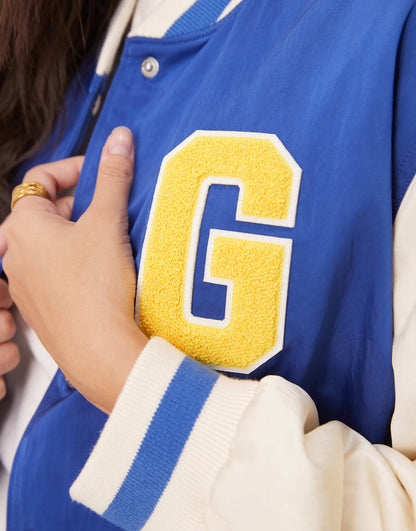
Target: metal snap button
150,67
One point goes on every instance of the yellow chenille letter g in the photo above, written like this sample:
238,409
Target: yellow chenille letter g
253,267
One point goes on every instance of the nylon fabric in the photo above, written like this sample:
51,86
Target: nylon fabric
320,76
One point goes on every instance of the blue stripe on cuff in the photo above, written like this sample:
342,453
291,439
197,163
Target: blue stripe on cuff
162,446
200,15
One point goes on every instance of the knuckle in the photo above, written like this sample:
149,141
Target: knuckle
7,325
42,174
31,174
9,357
5,298
35,173
118,170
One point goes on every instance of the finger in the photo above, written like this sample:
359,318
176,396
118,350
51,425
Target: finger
55,176
7,326
3,389
64,206
9,357
5,299
115,173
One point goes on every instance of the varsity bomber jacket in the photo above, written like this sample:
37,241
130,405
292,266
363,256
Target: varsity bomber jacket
272,219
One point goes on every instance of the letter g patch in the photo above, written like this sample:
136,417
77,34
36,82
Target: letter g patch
218,291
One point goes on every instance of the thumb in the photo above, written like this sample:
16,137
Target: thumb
115,173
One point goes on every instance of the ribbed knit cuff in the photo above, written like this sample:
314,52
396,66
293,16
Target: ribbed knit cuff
164,443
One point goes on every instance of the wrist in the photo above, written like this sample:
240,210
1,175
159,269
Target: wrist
117,350
132,343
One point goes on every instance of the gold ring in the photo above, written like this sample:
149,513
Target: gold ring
31,188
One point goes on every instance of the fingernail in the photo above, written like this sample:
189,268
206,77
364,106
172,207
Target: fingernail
120,142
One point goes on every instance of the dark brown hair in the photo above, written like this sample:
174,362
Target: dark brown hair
42,43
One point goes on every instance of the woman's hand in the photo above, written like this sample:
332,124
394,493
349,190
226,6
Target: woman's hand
75,283
9,351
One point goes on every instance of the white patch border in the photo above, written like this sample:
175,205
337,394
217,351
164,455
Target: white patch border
288,222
